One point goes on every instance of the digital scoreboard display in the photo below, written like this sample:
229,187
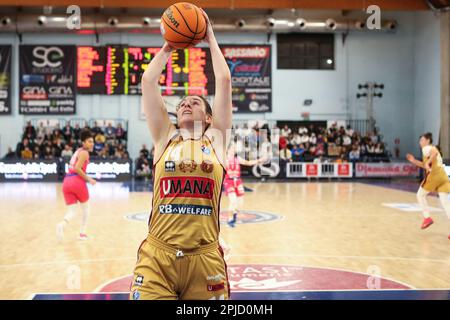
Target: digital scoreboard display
91,65
118,70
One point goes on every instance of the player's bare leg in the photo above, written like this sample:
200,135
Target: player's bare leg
85,210
233,209
422,199
71,211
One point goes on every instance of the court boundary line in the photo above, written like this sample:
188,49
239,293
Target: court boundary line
33,295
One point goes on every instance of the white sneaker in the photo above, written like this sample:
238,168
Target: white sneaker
60,231
82,236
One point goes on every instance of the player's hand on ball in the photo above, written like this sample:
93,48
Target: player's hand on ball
410,157
209,31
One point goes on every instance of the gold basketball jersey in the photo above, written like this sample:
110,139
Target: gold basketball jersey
437,166
437,179
186,194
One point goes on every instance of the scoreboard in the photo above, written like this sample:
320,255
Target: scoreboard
116,70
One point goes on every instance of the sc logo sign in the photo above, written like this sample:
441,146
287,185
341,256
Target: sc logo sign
47,57
273,171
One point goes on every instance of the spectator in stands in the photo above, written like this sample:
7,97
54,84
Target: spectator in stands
379,149
313,139
37,153
145,151
48,130
57,132
356,138
67,152
286,154
21,146
119,154
370,148
76,131
282,142
143,169
30,131
354,154
286,131
302,130
67,132
99,143
346,140
96,129
40,132
10,155
341,159
346,143
120,133
26,153
40,137
312,150
105,152
110,132
58,147
332,129
297,153
320,151
296,139
304,138
349,131
48,154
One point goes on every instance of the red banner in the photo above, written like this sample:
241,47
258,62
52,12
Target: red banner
312,170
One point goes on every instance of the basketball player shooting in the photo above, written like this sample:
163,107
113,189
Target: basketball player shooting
181,257
436,179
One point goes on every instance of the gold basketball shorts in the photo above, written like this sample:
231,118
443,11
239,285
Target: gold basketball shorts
436,182
163,272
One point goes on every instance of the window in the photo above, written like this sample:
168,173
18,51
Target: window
305,51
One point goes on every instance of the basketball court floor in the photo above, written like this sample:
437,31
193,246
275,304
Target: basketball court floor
296,240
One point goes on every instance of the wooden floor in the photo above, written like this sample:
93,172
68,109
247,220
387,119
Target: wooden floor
339,225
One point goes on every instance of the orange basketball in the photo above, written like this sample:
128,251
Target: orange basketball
183,25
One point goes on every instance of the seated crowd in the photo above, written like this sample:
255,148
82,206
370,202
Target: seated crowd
317,144
50,142
144,163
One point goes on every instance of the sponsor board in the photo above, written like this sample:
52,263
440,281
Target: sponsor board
393,169
47,75
42,170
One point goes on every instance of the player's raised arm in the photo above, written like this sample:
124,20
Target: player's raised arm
152,102
222,107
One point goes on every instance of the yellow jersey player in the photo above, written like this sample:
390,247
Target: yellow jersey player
181,258
436,179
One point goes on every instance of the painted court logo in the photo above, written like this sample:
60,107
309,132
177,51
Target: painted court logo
273,278
250,216
244,217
